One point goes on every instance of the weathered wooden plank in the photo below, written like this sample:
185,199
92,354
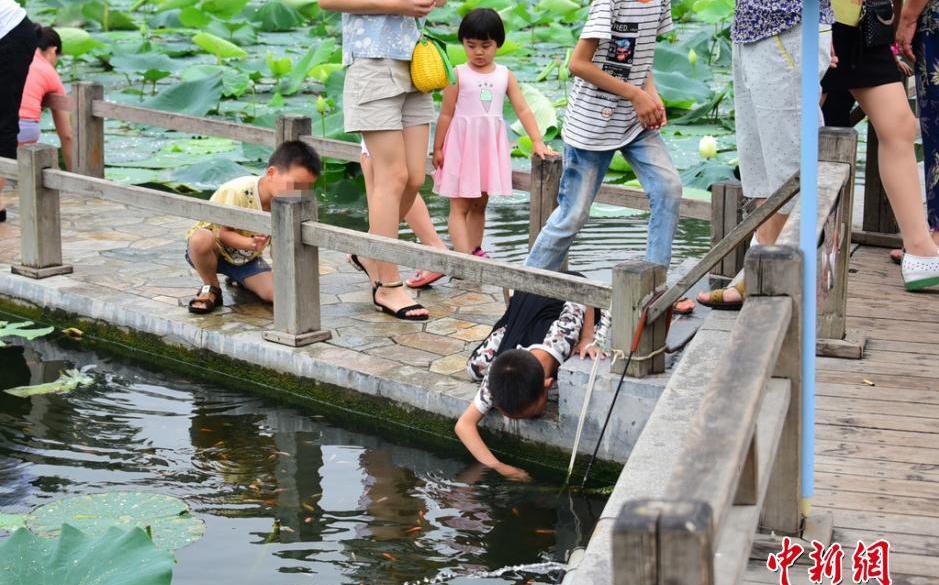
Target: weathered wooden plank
883,522
40,219
880,421
159,201
686,544
88,130
864,436
777,271
636,544
8,168
879,407
470,268
291,127
895,395
736,537
832,177
638,199
911,544
838,500
183,123
887,347
895,453
836,482
880,240
297,294
885,381
545,182
875,367
741,232
720,434
634,283
878,468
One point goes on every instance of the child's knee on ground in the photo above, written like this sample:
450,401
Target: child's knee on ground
262,285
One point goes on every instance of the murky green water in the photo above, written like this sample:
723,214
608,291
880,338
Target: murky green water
347,501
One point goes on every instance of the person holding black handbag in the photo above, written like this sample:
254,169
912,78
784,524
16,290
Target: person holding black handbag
867,68
17,45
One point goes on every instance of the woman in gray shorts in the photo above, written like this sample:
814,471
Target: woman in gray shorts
380,102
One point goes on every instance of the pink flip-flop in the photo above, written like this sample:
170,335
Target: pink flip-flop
424,279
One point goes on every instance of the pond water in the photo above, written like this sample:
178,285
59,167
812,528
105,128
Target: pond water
347,500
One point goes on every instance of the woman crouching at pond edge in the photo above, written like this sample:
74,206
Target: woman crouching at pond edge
381,103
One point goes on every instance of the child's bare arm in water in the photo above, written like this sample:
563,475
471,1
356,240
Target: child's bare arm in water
467,429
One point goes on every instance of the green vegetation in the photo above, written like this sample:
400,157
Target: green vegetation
251,60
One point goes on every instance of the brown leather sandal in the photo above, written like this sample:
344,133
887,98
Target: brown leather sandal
716,299
210,298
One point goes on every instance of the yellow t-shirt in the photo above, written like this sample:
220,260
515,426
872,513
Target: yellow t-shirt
847,11
241,192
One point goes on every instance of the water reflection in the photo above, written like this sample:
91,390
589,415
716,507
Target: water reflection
283,492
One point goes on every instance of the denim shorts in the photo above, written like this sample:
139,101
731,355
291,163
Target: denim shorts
238,273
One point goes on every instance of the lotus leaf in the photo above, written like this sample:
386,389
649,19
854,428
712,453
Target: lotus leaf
196,98
11,522
170,522
218,46
76,41
67,381
208,174
116,557
8,329
224,9
544,110
276,16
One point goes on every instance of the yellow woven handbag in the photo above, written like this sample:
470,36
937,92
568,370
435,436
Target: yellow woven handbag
430,67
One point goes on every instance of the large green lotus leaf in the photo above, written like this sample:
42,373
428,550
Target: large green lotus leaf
131,175
680,91
194,18
163,5
706,173
142,62
545,113
314,58
10,522
208,174
675,59
240,33
67,381
196,98
218,46
713,11
234,82
107,16
170,522
201,146
76,41
8,329
116,557
224,9
276,16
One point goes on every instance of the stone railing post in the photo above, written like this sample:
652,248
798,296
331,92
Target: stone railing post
292,127
545,183
777,271
88,130
296,274
634,284
40,222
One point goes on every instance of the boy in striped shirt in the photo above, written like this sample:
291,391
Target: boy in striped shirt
612,106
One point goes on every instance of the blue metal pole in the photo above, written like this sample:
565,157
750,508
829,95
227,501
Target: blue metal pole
807,238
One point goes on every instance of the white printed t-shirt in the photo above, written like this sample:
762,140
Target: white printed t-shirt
627,29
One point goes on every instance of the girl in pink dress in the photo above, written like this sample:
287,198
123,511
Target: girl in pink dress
472,157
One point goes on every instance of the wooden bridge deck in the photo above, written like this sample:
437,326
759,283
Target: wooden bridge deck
877,427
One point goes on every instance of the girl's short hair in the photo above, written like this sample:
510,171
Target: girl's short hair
47,37
482,24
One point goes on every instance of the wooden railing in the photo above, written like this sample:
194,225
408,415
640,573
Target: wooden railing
738,465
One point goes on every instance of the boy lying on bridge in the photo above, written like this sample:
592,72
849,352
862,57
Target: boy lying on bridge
518,362
214,249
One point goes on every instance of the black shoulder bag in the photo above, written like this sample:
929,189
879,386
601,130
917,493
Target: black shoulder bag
877,23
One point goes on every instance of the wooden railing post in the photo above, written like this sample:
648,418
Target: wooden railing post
777,271
292,127
88,130
296,274
545,184
663,543
726,213
41,231
838,145
634,284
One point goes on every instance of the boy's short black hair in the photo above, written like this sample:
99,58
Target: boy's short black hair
516,381
47,37
482,24
294,153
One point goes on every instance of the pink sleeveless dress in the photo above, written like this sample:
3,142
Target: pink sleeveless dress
476,153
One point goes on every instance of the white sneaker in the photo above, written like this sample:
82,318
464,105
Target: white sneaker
920,272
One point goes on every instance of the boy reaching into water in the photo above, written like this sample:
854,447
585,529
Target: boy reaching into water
517,364
214,249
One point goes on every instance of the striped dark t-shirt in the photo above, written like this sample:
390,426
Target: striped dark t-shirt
627,29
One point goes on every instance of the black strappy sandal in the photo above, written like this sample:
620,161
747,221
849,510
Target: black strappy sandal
210,297
400,313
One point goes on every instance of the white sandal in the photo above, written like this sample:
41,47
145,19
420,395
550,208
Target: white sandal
920,272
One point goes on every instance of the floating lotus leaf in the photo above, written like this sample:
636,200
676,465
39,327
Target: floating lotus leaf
8,329
11,522
67,381
76,41
218,46
171,524
116,557
545,113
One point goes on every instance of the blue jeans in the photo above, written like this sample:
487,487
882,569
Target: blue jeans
583,174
